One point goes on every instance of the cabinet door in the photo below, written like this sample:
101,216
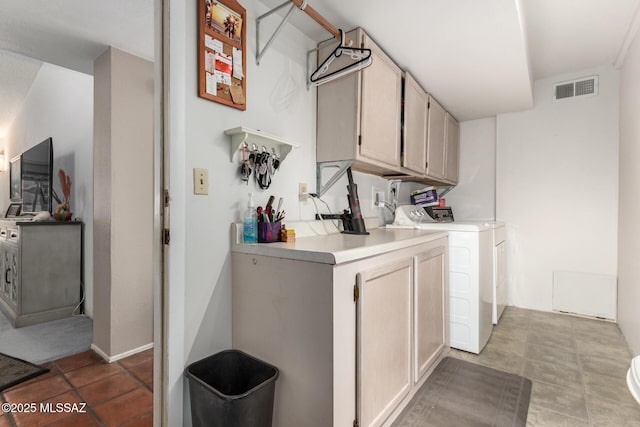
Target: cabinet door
415,126
430,309
384,340
435,140
10,275
452,149
380,108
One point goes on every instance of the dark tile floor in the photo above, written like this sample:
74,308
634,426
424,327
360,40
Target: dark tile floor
116,394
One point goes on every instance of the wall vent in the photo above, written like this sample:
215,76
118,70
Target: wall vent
583,87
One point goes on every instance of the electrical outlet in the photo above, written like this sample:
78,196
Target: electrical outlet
303,194
377,195
200,181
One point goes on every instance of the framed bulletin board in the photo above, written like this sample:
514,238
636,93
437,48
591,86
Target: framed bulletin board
222,52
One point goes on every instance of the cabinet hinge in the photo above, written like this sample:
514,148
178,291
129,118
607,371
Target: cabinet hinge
428,105
356,292
166,236
356,423
359,139
166,197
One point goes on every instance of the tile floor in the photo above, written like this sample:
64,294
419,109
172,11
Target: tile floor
578,368
116,394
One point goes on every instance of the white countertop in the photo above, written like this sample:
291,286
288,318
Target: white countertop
340,248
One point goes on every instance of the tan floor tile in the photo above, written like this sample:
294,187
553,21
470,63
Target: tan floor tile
567,401
611,366
549,338
508,343
561,375
553,320
503,361
555,355
606,413
605,387
540,417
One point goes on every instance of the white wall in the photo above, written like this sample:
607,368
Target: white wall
557,187
123,166
474,198
60,105
200,264
629,214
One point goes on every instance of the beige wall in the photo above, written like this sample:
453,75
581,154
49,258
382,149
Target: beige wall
629,200
123,202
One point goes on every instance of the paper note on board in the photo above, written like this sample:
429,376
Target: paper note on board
223,78
237,64
211,84
223,63
213,44
224,66
237,95
209,62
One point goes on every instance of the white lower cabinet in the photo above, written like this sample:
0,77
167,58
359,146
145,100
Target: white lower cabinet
431,310
384,340
353,341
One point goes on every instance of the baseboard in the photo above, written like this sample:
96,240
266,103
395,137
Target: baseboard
120,356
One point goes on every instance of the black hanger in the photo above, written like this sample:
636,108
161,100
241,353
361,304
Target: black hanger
362,55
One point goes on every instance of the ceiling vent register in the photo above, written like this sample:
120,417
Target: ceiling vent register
583,87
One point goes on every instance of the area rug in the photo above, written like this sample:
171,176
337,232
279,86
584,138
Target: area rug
460,393
14,371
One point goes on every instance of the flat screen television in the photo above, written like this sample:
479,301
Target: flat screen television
36,172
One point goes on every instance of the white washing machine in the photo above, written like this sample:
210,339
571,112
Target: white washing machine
471,272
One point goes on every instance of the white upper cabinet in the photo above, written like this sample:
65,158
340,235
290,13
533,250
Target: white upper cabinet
435,141
360,119
415,126
359,115
452,149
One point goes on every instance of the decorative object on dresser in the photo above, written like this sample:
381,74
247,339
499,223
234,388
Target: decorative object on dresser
62,212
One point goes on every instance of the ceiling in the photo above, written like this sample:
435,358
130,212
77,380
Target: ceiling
478,58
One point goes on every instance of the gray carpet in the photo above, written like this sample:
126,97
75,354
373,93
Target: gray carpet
46,341
14,371
464,394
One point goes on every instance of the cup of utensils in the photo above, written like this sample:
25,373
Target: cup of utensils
269,221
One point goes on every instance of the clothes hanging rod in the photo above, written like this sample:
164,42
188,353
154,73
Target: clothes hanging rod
313,14
303,6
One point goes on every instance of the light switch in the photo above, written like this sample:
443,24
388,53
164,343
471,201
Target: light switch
200,181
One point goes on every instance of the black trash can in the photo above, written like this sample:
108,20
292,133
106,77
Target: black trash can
232,389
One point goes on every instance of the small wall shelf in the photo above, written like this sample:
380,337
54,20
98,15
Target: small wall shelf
241,135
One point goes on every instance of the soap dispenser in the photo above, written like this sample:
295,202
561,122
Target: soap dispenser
250,223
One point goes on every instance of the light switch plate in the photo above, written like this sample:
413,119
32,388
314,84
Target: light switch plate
200,181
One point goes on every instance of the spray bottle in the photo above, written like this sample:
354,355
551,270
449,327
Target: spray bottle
250,223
